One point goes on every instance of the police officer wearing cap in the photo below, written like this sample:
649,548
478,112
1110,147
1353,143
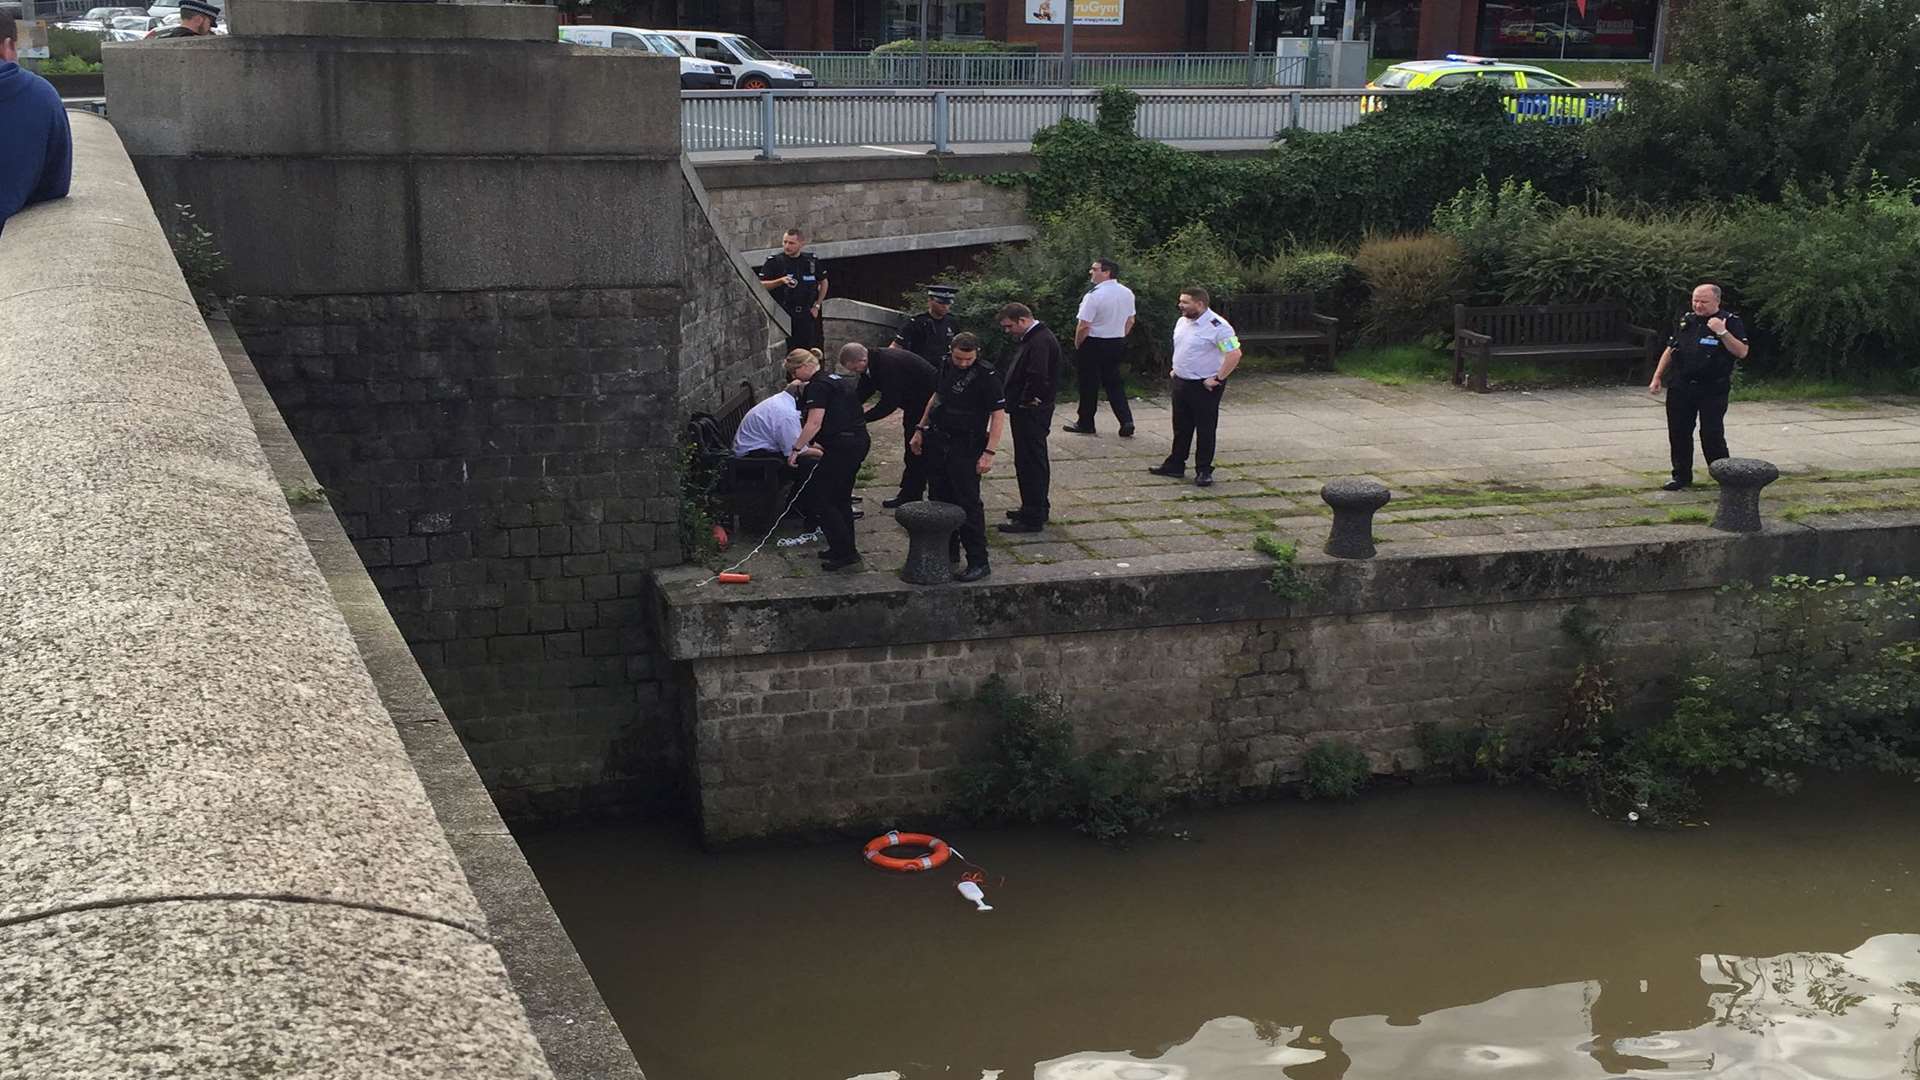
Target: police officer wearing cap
831,404
799,286
1697,371
196,20
930,333
960,434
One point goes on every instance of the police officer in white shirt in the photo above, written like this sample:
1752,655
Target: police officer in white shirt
1099,346
772,426
1205,352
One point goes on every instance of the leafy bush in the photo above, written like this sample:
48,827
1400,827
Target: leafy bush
1471,752
1601,254
67,65
1335,769
1486,223
1049,275
1414,281
1337,287
1035,774
936,45
64,43
1762,94
1833,281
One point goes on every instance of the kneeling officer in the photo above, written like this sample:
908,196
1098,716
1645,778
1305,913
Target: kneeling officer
960,433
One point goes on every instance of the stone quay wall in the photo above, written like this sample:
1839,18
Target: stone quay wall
219,857
804,719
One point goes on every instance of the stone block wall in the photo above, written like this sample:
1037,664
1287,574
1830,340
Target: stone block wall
730,329
859,738
504,462
833,210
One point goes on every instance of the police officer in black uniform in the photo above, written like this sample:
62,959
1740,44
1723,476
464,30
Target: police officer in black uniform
930,333
904,381
1697,370
831,405
960,434
799,286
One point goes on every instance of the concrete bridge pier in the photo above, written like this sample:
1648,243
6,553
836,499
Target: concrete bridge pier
458,252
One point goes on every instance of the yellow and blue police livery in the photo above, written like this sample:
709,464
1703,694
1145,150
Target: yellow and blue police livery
1548,103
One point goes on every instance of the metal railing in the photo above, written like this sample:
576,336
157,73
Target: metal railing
773,120
852,69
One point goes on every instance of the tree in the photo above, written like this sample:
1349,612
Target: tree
1767,93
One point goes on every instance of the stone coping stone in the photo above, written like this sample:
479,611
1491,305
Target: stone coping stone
231,988
795,615
357,18
791,172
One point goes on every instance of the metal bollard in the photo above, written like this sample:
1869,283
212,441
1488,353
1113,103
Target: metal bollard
1353,502
1740,482
930,527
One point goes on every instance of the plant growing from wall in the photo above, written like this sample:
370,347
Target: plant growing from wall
1334,769
697,481
1286,581
194,249
1035,774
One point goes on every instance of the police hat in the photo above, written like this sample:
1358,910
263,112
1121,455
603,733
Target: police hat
942,293
199,7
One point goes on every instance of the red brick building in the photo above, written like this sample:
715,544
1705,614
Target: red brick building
1595,29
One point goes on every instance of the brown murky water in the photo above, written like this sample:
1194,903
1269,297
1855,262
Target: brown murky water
1431,933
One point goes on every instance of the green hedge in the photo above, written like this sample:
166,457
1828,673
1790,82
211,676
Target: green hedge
62,43
912,45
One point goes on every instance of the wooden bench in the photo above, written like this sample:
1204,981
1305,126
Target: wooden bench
1282,319
744,491
1548,332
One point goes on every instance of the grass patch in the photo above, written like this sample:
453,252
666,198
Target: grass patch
1641,521
303,494
1394,365
1503,495
1688,515
1790,388
1852,506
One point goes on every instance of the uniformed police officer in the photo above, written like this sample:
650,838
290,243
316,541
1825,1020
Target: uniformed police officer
196,20
831,403
959,434
904,381
1205,352
931,332
799,286
1697,370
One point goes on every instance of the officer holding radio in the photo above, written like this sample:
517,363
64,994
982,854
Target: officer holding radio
1697,371
799,286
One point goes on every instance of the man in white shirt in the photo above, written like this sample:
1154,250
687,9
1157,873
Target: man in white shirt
1099,347
1205,352
772,426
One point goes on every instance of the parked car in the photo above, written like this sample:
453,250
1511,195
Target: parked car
754,68
694,74
102,14
1458,69
131,27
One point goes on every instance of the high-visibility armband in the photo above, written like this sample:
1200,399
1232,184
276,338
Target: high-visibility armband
1229,343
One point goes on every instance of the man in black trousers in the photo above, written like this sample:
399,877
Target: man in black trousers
1697,370
1030,381
831,405
904,381
959,434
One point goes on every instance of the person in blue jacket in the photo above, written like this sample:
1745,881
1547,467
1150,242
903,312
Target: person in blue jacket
36,146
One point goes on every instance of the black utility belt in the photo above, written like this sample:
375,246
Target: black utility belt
1201,379
950,433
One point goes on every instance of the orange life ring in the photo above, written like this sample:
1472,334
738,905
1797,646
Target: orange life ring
937,854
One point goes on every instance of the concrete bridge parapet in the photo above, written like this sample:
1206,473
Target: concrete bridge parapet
218,858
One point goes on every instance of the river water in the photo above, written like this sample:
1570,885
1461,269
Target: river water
1424,933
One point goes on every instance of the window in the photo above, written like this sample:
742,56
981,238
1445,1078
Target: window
1551,29
1461,78
624,40
667,46
707,48
1394,78
751,49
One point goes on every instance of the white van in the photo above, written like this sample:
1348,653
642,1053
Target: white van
694,74
754,68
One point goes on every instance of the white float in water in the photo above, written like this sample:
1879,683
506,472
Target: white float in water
972,892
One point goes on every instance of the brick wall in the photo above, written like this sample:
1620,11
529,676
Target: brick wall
503,462
726,331
754,217
859,738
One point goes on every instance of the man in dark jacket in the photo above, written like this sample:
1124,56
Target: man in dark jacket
1697,371
904,381
36,145
1031,378
196,20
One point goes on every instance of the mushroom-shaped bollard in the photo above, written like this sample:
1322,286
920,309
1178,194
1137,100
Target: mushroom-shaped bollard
1740,482
929,528
1353,502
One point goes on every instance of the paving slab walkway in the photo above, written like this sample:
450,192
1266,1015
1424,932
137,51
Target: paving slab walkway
1556,461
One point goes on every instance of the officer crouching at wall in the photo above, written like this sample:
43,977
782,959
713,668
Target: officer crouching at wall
960,434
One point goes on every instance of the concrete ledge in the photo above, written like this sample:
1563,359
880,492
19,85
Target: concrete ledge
807,614
356,18
852,168
934,241
186,718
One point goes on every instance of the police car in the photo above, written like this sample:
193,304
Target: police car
1543,106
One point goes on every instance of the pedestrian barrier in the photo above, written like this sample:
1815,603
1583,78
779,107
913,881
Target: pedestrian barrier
906,69
769,121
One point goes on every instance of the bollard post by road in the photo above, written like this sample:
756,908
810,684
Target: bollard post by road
1293,109
930,527
942,123
1740,481
768,137
1353,502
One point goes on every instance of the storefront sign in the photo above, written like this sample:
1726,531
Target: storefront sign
1085,12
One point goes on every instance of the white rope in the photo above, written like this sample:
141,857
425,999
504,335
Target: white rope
802,486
